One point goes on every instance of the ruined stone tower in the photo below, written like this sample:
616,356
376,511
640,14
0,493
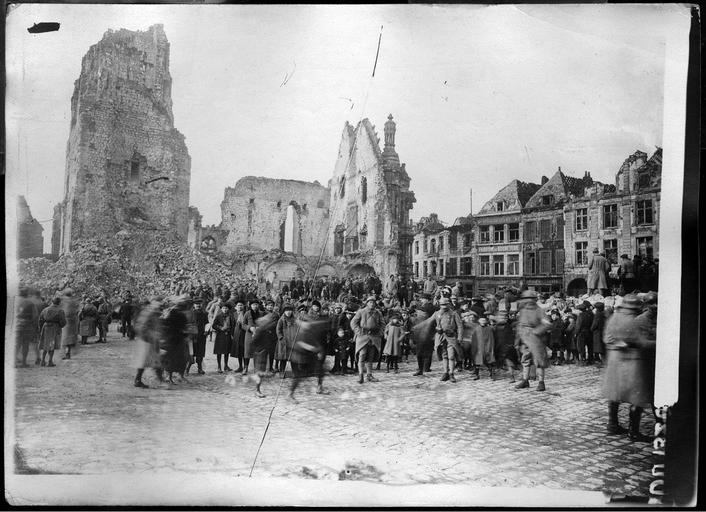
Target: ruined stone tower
127,167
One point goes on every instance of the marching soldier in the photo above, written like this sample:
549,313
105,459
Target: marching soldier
531,324
449,330
368,325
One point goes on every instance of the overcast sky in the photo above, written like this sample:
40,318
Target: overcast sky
481,95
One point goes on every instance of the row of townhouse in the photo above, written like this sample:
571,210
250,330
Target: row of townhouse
542,235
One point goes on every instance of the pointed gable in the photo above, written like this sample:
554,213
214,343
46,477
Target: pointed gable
512,197
555,191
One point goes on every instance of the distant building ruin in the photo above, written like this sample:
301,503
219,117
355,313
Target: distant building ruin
264,213
126,164
30,241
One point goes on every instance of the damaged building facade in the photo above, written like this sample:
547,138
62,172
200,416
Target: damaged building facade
126,164
278,229
370,228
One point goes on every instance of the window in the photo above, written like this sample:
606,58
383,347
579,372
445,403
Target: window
451,267
547,200
500,206
441,243
279,204
467,237
559,257
433,268
610,247
530,231
484,234
513,232
498,265
644,212
610,216
364,189
425,268
342,186
416,247
433,245
545,229
544,261
513,264
320,203
645,246
530,263
582,253
499,233
416,269
426,248
485,265
643,180
441,268
466,266
581,219
252,200
453,242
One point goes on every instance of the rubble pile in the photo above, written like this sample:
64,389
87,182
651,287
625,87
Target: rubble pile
144,263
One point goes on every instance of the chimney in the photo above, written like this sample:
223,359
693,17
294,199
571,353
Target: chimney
544,179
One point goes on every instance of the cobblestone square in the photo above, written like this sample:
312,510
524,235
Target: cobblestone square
84,417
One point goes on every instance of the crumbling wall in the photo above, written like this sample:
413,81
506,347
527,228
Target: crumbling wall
255,214
126,164
30,242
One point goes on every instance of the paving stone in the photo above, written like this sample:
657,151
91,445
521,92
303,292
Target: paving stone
409,429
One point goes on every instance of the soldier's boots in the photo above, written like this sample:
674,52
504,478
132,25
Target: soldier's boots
523,384
476,373
452,378
540,386
444,377
418,373
634,427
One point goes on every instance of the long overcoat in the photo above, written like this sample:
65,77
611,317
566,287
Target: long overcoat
630,359
88,318
368,327
51,321
598,270
249,321
483,345
70,331
394,334
286,335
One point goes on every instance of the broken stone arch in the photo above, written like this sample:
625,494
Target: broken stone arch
577,287
290,239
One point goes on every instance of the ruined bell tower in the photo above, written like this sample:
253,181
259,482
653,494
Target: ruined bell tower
127,167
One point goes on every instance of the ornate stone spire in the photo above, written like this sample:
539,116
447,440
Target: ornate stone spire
389,154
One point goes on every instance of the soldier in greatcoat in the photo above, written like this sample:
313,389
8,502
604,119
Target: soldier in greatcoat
104,314
630,343
368,325
449,331
598,270
483,347
531,325
51,322
286,334
70,332
88,320
27,317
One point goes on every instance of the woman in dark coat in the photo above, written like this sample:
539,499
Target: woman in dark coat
250,325
597,327
556,338
88,319
222,327
174,339
286,334
237,348
200,319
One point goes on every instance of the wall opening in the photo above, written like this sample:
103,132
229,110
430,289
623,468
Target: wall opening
291,230
364,189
